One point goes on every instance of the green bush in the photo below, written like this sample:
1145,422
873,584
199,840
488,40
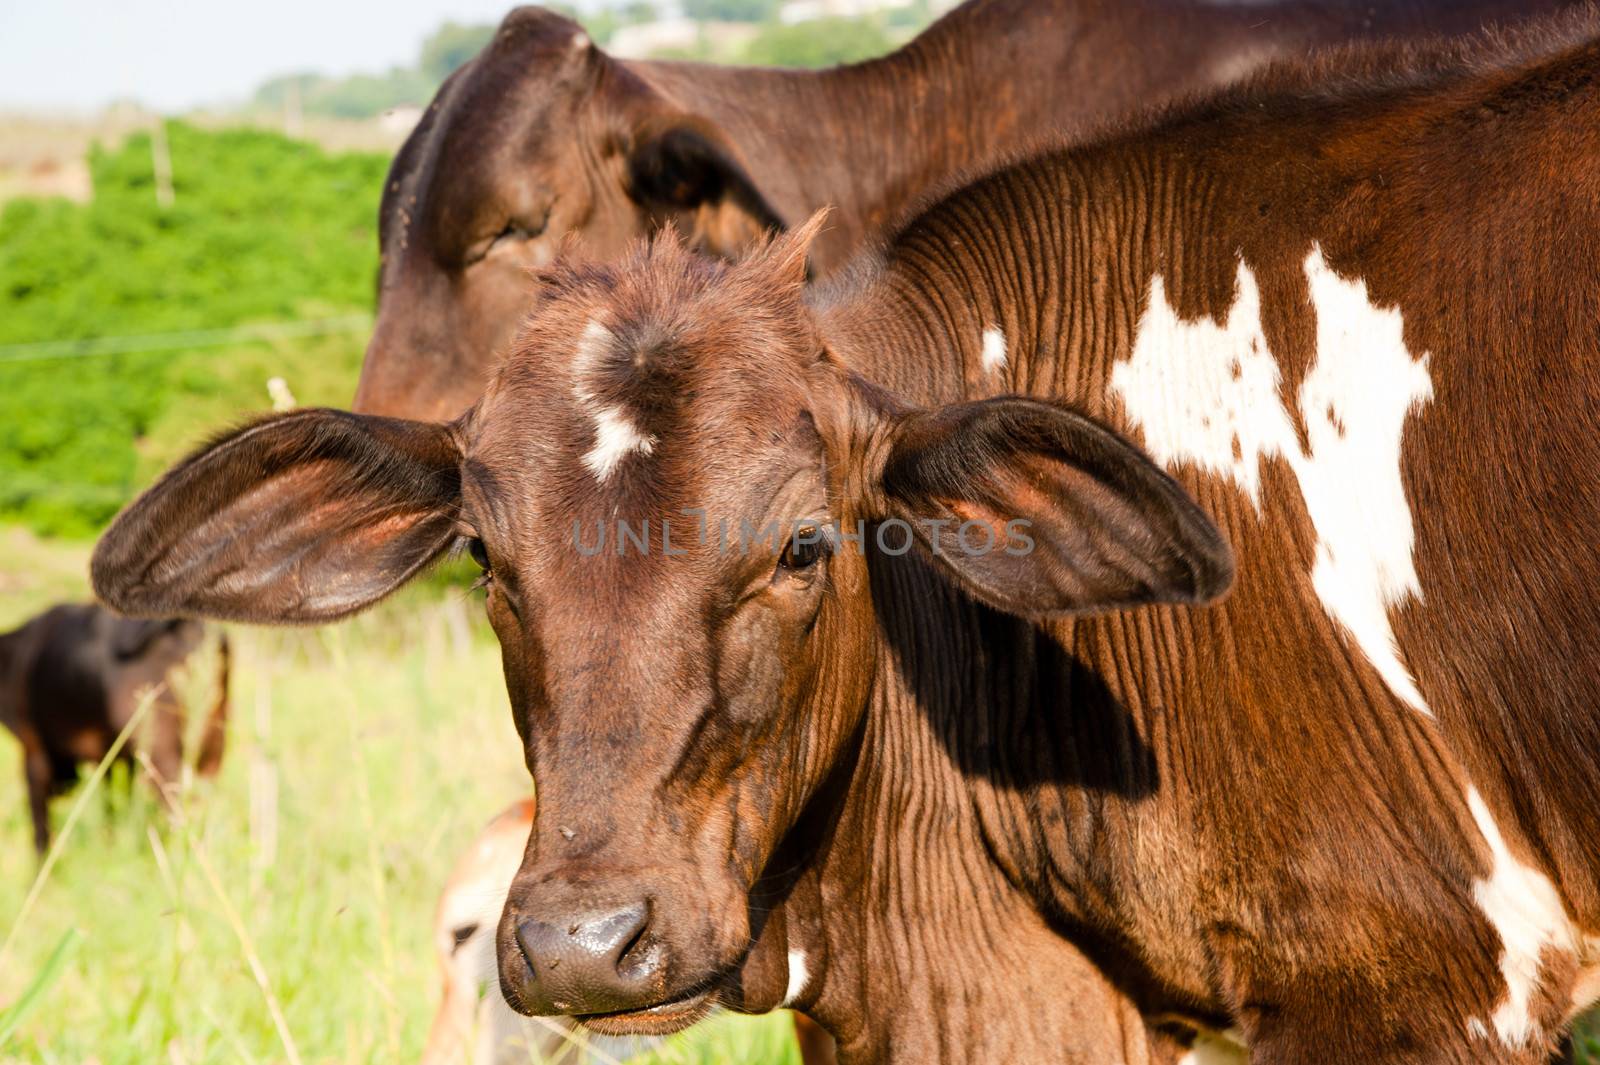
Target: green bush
261,229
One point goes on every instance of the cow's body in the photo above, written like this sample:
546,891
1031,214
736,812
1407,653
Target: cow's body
1345,814
72,678
543,136
1361,326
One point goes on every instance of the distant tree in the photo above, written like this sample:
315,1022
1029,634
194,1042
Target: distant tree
442,53
732,10
824,42
449,46
605,21
366,95
274,93
911,18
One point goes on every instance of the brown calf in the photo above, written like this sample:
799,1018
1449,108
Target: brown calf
71,679
1348,812
544,136
694,735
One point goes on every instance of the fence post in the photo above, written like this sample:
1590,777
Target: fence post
161,160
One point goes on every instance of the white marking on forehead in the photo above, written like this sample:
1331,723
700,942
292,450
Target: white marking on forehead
798,975
615,435
615,439
1208,394
994,350
1525,910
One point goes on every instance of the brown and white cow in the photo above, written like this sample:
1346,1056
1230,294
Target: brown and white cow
545,136
1348,812
72,678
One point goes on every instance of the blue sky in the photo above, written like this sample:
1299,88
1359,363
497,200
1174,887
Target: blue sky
77,55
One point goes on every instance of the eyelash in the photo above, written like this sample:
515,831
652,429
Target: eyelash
513,231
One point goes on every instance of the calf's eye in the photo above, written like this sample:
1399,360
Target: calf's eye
479,553
806,548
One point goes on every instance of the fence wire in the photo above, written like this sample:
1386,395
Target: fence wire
105,346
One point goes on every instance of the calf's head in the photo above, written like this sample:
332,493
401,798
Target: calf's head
540,136
665,484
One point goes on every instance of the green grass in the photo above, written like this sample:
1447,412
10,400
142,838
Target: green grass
362,759
1586,1038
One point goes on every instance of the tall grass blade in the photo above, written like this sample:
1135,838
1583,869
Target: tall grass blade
12,1016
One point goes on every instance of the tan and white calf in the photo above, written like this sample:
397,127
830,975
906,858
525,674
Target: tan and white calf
473,1025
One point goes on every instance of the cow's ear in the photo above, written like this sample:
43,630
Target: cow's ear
1038,510
686,172
303,517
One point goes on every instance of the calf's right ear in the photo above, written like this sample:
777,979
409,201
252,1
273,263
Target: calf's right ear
1074,519
303,517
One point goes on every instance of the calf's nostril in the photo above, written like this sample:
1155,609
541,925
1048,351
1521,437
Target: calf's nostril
593,950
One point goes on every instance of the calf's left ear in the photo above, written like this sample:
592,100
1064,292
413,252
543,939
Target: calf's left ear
304,517
1038,510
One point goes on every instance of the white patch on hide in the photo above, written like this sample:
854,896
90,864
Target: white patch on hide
798,975
1208,394
993,358
1525,910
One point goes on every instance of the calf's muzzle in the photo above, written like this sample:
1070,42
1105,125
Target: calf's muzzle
596,961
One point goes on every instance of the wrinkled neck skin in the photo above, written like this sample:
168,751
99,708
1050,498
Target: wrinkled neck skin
914,944
927,931
959,96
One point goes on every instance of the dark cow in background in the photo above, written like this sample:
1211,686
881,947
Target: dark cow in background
545,136
73,677
1348,813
